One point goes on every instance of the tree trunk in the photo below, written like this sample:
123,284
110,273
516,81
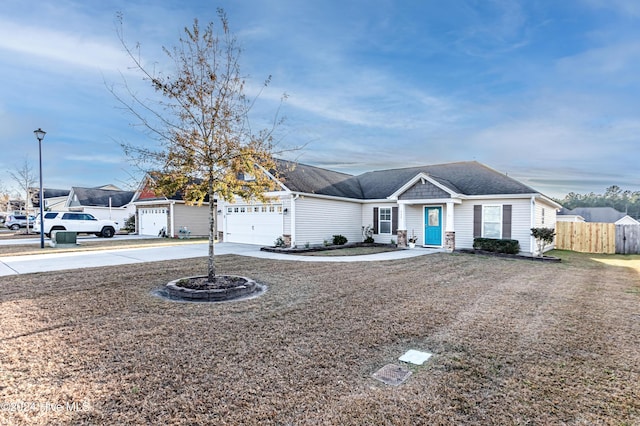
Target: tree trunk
212,231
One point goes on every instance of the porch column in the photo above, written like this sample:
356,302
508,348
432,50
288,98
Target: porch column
449,229
402,226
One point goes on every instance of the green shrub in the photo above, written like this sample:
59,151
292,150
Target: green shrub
496,245
544,237
279,242
339,240
130,224
369,240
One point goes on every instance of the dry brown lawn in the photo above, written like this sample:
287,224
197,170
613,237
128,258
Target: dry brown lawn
514,342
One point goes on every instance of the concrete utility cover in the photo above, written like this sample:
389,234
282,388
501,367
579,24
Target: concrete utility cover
392,374
415,357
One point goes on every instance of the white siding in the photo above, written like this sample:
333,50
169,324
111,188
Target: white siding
117,214
286,225
318,219
414,218
520,221
367,220
544,220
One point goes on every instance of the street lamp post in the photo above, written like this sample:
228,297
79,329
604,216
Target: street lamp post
40,135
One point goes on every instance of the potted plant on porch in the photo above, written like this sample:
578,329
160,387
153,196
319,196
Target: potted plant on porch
412,239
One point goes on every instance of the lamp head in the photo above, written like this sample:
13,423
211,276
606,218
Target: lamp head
39,134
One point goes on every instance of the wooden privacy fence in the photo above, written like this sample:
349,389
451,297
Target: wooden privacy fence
628,239
588,237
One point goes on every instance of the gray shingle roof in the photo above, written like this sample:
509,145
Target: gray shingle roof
595,214
468,178
315,180
100,197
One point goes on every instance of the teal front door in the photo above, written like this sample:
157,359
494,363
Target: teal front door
433,226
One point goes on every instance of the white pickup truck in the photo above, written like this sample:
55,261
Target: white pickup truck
77,222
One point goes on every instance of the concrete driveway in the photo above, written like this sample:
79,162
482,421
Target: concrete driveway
12,265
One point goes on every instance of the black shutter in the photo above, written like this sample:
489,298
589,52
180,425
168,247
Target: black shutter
506,221
477,221
375,220
394,220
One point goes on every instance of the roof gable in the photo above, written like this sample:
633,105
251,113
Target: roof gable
422,187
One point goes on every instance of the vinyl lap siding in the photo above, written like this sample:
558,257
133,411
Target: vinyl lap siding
367,218
549,219
520,221
319,219
195,218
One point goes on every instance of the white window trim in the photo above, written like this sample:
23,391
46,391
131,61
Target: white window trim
380,220
499,223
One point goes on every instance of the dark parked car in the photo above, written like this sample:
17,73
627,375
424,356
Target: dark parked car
17,221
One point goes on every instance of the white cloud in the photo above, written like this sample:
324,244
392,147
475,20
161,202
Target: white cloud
42,45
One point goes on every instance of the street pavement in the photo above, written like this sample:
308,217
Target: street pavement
51,261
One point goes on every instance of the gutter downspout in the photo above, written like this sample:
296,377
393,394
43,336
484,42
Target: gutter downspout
293,219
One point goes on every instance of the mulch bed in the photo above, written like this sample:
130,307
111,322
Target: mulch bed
312,249
512,343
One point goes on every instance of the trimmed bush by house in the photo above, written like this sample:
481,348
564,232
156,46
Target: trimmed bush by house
544,237
496,245
339,240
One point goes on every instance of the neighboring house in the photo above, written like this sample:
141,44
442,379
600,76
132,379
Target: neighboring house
106,202
156,215
569,217
54,199
444,205
596,214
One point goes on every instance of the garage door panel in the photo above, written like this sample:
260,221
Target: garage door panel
254,224
152,220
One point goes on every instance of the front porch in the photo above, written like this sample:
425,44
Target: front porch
430,223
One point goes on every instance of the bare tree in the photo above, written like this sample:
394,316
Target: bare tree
25,178
201,122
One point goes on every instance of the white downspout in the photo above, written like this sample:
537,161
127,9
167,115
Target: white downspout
293,219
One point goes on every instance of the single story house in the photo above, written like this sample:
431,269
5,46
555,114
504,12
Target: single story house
104,202
444,205
596,214
158,215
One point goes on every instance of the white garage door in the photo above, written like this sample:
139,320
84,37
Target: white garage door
254,224
152,220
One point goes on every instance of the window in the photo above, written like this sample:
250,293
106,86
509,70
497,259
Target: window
229,209
385,221
543,216
492,221
50,215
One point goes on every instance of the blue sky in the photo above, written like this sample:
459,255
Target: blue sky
546,91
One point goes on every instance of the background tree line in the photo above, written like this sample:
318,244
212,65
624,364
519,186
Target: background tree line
622,200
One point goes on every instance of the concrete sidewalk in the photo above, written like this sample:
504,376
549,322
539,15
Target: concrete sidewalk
13,265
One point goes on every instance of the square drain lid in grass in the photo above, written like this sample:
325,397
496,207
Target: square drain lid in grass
392,374
415,357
